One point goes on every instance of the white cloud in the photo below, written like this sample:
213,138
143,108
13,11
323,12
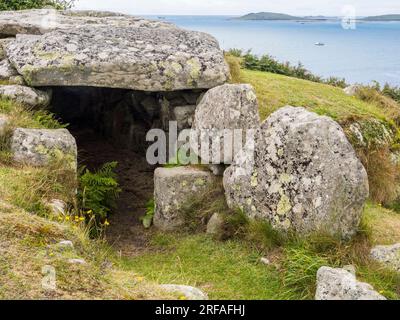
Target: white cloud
232,7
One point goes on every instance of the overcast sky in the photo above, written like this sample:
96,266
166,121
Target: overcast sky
238,7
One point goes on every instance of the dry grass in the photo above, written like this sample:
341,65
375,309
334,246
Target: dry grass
28,243
383,174
371,95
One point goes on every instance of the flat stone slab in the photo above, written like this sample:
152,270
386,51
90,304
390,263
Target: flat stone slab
139,55
46,20
172,188
387,255
26,96
340,284
37,147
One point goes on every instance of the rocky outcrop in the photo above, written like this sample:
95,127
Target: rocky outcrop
190,293
299,173
26,96
38,147
173,187
127,53
47,20
222,110
339,284
389,256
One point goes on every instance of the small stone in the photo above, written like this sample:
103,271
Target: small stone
191,293
339,284
265,261
387,255
215,225
27,96
77,261
66,244
351,90
38,147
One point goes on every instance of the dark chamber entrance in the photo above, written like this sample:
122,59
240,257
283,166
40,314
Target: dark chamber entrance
111,125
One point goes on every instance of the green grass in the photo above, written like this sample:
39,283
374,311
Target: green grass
225,270
275,91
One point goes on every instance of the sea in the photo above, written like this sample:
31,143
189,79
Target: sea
368,52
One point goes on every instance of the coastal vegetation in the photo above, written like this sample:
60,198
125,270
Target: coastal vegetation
35,4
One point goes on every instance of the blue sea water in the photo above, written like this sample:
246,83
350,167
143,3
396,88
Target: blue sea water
370,52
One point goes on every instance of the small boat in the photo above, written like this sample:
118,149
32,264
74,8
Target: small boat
320,44
162,18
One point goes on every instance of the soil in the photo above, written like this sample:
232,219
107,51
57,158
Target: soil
125,232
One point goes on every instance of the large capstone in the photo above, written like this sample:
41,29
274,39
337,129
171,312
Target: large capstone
173,188
340,284
39,147
46,20
26,96
299,173
128,54
223,119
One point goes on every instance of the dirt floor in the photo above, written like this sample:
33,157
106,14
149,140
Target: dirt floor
125,233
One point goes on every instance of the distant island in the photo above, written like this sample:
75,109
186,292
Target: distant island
271,16
386,17
268,16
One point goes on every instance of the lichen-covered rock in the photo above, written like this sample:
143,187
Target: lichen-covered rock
387,255
215,225
190,293
3,44
120,56
184,116
29,97
7,71
351,90
300,173
38,147
224,109
339,284
173,187
46,20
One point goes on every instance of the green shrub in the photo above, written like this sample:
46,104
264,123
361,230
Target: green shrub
35,4
98,192
268,63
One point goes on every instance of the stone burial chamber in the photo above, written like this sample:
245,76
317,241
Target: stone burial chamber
117,74
114,77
